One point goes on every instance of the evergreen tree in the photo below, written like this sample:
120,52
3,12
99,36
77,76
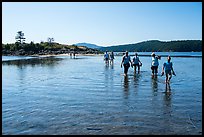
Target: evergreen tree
20,37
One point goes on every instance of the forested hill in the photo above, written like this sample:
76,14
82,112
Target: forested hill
158,46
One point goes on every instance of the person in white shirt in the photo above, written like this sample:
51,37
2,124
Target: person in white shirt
155,64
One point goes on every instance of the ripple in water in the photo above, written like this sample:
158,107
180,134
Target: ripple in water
84,96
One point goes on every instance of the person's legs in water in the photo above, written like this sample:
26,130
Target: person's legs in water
111,61
138,68
170,75
107,62
167,75
134,68
126,67
152,67
125,70
156,70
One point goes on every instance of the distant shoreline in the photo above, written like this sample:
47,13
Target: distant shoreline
49,55
172,56
117,54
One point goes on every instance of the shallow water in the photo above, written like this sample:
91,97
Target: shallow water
61,95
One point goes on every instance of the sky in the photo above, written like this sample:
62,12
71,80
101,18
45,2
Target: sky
102,23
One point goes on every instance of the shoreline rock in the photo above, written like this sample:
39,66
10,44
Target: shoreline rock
21,52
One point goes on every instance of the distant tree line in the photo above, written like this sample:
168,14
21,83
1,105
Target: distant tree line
31,46
44,48
158,46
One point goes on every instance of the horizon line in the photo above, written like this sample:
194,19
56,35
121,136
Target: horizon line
116,44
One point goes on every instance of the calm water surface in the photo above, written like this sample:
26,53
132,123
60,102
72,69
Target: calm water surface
61,95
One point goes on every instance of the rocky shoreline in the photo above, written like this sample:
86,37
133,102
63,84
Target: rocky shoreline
22,52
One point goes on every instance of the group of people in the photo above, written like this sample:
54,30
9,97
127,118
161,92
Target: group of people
109,57
72,54
167,67
136,63
126,61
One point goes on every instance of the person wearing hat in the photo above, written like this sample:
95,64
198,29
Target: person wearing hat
126,62
136,63
155,64
168,68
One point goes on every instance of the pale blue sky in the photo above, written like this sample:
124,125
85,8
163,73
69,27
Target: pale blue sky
102,23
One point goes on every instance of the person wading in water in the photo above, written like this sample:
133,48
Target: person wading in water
126,61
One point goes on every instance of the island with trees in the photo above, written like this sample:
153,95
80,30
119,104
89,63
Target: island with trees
44,48
20,48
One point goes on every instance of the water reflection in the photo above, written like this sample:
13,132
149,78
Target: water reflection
111,66
168,88
22,75
68,98
167,109
136,78
106,80
126,86
44,61
109,76
167,97
106,66
155,85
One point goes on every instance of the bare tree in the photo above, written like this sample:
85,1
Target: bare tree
50,40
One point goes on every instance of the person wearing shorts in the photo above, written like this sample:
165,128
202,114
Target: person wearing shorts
106,58
155,64
126,62
111,57
168,67
136,63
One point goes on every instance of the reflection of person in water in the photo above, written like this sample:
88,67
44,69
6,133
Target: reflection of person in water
136,79
155,84
167,97
166,107
136,82
167,88
106,75
126,86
